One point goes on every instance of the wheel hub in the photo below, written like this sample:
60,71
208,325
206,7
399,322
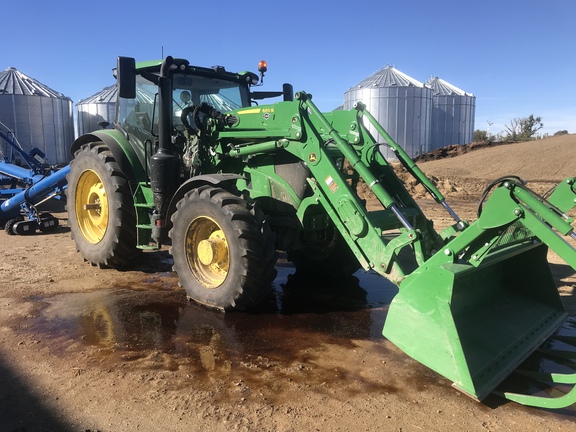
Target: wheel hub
91,206
213,250
207,252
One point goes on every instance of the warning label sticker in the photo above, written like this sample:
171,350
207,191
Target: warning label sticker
331,184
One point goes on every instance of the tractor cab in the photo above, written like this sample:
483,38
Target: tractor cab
140,109
188,86
162,104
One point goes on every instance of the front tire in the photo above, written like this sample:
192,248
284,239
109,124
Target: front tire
223,249
101,213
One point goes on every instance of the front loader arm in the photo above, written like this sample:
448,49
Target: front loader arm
513,214
513,203
321,141
411,166
564,195
539,216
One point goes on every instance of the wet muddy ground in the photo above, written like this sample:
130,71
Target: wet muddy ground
151,322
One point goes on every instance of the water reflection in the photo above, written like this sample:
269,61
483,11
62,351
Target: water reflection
301,313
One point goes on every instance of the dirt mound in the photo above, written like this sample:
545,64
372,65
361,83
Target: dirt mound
546,159
542,163
454,150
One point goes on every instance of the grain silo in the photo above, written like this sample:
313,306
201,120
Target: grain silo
452,114
401,104
39,116
98,108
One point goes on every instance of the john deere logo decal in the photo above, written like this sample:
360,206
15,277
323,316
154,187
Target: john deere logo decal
312,157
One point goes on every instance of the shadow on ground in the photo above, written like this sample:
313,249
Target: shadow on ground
21,410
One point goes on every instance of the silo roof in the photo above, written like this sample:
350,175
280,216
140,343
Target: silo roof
442,88
388,76
104,96
14,82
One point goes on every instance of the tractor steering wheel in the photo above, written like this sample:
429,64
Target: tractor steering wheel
184,116
207,110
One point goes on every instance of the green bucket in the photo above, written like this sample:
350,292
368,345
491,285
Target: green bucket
475,325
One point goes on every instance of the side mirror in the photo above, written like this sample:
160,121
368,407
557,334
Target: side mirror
126,77
288,92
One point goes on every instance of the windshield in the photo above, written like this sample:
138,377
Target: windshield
187,90
221,94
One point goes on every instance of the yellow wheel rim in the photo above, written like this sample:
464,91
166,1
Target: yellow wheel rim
207,252
91,206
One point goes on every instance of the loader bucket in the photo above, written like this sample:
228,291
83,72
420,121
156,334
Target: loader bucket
475,325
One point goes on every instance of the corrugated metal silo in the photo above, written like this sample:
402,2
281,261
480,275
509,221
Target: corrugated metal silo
98,108
452,114
39,116
401,104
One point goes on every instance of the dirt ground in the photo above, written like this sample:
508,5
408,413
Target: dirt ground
88,349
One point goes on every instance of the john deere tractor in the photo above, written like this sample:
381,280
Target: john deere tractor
195,162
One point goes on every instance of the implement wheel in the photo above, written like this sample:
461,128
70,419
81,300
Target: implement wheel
10,224
100,208
223,249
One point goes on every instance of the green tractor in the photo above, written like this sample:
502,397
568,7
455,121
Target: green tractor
195,162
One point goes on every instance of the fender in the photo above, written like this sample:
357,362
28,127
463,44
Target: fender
123,152
193,183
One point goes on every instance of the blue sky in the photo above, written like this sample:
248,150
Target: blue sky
518,57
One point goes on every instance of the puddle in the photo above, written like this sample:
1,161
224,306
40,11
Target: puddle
154,326
556,356
150,315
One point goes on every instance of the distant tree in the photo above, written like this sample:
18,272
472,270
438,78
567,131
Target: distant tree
480,135
499,137
561,132
523,129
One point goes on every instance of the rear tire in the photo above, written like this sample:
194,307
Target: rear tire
223,249
101,213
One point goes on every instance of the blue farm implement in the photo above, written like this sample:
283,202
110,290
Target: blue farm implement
26,182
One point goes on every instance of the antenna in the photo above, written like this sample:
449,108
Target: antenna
162,52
